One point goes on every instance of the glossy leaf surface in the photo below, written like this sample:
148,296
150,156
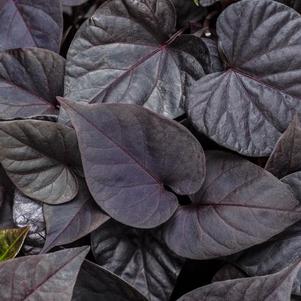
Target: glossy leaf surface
30,80
157,63
126,165
140,257
247,107
240,205
37,156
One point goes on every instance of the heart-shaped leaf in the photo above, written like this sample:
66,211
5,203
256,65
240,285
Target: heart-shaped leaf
286,156
275,287
240,205
69,222
41,277
126,163
156,65
95,283
11,241
30,80
139,257
27,23
247,107
37,156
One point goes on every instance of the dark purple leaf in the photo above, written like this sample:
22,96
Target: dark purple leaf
139,257
240,205
95,283
27,212
128,52
41,277
286,156
129,153
247,107
274,287
30,80
31,23
69,222
272,256
228,272
38,156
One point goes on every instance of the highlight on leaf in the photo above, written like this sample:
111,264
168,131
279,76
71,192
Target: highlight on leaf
11,241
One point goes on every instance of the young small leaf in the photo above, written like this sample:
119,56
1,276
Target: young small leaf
11,241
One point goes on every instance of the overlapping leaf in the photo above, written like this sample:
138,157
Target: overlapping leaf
68,222
273,255
30,80
275,287
140,257
247,107
240,205
31,23
294,181
38,156
128,52
95,283
41,277
11,241
126,162
286,156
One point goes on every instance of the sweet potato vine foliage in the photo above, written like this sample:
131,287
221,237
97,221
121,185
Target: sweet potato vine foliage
150,150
